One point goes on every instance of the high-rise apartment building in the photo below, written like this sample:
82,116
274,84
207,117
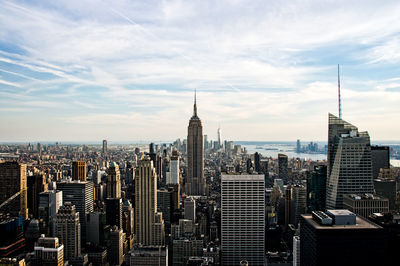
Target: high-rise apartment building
145,202
349,162
12,181
79,170
113,181
68,230
243,219
80,194
283,172
195,183
48,252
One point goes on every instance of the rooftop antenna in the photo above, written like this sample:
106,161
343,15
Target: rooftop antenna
340,102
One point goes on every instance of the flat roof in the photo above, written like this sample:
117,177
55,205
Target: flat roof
239,177
361,223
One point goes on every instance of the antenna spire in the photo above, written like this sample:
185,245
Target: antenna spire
195,106
339,100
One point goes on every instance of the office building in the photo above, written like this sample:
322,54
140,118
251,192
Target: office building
242,204
68,230
145,202
289,215
185,248
349,162
190,209
174,169
116,249
195,183
49,203
113,181
35,184
80,194
48,252
283,167
114,211
339,237
148,256
380,156
96,224
386,187
257,163
79,170
13,182
12,241
365,204
316,188
299,202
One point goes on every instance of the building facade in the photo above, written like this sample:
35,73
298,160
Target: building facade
243,219
349,162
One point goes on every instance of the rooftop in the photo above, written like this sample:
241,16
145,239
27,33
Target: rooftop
361,223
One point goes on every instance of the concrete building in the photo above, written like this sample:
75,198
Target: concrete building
195,183
104,150
243,204
185,248
148,256
48,252
347,240
79,171
386,187
365,204
349,162
68,230
13,180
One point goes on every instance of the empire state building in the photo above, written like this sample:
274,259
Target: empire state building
195,183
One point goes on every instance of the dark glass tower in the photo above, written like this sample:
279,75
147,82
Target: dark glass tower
349,162
195,184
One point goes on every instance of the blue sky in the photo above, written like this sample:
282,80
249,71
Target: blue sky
265,70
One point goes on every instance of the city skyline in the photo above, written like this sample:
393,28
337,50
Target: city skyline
84,70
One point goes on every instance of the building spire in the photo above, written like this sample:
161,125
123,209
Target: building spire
339,100
194,106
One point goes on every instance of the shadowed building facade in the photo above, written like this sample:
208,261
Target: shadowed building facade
195,184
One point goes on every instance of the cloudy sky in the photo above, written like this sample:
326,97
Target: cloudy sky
84,70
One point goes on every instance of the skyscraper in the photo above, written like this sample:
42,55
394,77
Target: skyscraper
79,194
243,219
104,147
316,188
219,138
113,181
283,167
349,162
380,157
79,170
145,202
174,169
13,181
49,203
68,230
195,184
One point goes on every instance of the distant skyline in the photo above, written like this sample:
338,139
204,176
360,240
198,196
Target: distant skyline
78,71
